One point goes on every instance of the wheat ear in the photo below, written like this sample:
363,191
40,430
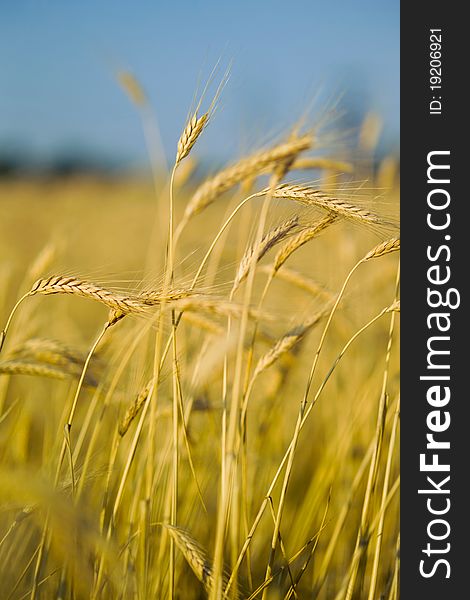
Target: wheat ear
58,284
192,131
20,367
391,245
312,197
23,367
299,280
246,168
48,351
317,162
287,342
270,239
134,409
194,554
302,238
51,353
216,307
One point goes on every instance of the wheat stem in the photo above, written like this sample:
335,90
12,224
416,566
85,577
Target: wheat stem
3,333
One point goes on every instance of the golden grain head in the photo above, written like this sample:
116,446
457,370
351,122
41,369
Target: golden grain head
188,138
134,408
387,247
270,239
246,168
306,235
194,554
316,198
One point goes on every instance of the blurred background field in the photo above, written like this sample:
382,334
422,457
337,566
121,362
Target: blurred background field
60,105
78,198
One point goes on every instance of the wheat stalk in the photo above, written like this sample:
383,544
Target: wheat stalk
184,172
395,307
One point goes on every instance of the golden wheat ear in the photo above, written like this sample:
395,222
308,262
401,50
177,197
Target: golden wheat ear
194,553
387,247
119,304
188,138
246,168
304,236
312,197
21,367
288,341
134,409
196,125
270,239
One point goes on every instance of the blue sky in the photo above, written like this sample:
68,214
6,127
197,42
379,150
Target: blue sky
58,91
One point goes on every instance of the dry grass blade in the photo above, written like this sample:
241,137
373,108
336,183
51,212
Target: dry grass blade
302,238
391,245
188,138
246,168
270,239
312,197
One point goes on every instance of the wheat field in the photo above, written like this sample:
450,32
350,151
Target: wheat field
199,392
